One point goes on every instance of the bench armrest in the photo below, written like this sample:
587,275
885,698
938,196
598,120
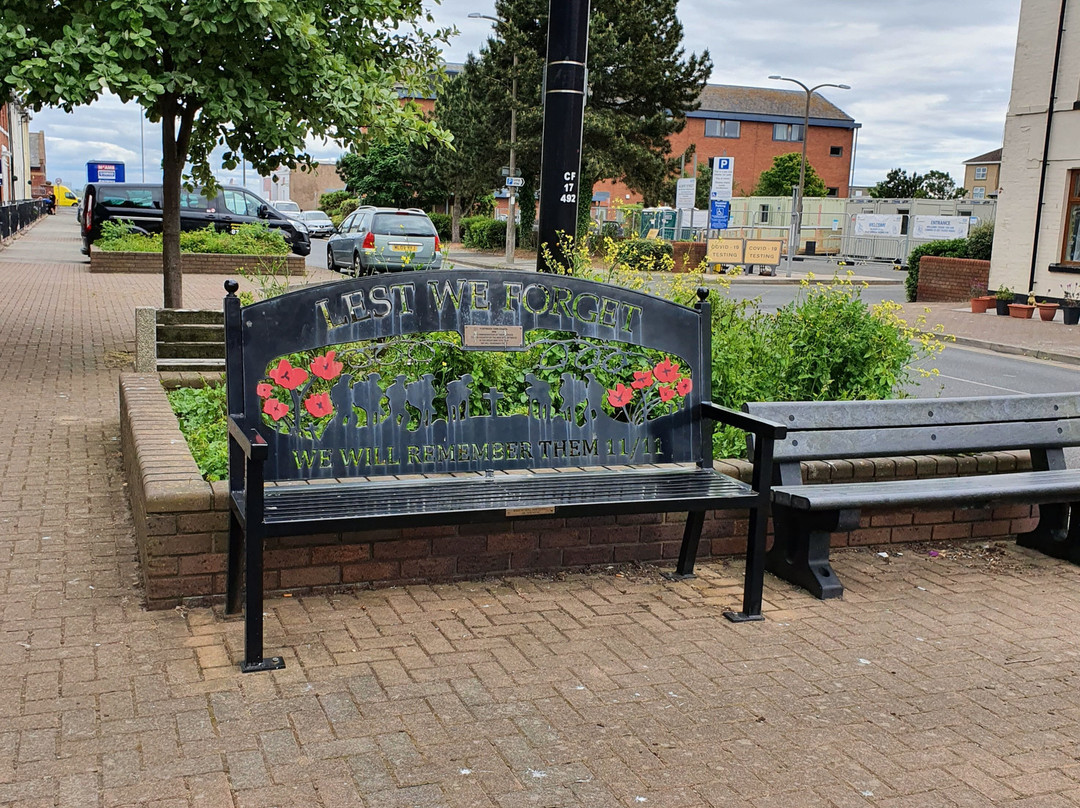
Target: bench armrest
247,437
760,427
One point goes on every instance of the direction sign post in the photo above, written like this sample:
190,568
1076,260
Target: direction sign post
515,182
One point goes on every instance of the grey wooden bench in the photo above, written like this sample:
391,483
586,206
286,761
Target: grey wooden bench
352,407
179,341
805,515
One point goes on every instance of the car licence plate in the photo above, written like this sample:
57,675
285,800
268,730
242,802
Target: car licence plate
404,247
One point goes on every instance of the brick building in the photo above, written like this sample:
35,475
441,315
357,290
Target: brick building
753,125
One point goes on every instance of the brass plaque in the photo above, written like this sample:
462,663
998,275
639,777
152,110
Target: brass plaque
494,337
725,251
763,251
538,511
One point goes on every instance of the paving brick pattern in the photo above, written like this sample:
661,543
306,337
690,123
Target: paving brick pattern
940,680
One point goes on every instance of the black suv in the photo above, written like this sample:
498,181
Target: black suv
139,204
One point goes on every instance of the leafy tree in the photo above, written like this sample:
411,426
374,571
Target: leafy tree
778,180
641,82
390,175
931,185
701,191
258,78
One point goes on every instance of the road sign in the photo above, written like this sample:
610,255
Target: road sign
723,178
719,214
724,251
685,192
515,182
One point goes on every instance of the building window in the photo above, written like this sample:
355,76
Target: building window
833,192
763,215
980,172
904,221
1071,248
978,192
787,131
714,128
836,151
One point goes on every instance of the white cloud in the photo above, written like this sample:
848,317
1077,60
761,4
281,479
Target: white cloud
930,80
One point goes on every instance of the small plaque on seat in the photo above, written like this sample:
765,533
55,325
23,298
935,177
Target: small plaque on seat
537,511
489,337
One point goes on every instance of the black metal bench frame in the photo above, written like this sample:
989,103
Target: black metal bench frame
806,515
428,457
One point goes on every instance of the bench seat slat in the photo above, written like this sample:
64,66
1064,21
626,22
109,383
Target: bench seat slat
796,415
437,498
1035,487
914,440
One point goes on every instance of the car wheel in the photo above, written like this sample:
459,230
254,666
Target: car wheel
330,259
357,267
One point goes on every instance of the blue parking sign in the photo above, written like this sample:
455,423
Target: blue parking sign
719,213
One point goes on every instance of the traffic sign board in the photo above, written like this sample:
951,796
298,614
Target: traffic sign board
515,182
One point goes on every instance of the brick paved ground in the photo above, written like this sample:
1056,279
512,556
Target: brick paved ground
938,681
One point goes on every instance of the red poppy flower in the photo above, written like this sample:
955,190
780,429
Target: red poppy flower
263,390
642,378
684,386
620,396
325,367
667,393
319,405
275,409
666,371
287,376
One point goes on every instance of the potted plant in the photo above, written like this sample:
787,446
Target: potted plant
1047,309
1003,297
1070,305
980,298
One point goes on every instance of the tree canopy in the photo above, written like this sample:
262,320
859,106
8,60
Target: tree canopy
778,180
258,78
393,174
898,184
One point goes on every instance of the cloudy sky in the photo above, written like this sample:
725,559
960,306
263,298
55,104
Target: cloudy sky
929,79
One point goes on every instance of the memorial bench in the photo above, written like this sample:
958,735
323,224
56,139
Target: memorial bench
805,515
610,415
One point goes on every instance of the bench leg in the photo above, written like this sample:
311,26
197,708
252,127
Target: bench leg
800,551
1057,534
695,521
253,608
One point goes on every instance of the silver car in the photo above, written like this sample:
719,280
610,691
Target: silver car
318,223
384,240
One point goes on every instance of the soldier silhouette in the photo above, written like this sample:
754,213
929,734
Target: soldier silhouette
397,395
572,393
457,398
595,399
539,394
367,396
421,395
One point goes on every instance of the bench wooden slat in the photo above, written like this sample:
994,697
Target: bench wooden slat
192,333
890,441
191,317
187,350
798,415
1034,487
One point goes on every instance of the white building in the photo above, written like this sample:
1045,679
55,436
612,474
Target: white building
1037,237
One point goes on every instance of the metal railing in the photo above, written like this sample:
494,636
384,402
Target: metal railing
14,216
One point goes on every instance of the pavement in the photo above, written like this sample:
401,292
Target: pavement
944,679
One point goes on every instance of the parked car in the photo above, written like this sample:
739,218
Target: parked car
318,223
384,240
139,204
286,206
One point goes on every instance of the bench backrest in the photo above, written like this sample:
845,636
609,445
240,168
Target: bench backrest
821,430
393,374
179,340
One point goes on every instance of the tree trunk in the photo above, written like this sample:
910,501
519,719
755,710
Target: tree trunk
455,220
172,169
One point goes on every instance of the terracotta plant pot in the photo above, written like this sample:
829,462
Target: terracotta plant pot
979,305
1047,311
1022,311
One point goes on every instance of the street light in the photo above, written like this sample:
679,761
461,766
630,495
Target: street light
796,234
511,218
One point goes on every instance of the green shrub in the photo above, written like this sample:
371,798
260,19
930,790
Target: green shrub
442,222
635,252
330,202
483,233
247,239
202,415
981,241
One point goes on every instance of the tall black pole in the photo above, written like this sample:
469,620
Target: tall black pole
564,113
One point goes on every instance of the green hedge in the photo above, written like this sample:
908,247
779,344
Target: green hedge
442,222
482,233
979,245
247,239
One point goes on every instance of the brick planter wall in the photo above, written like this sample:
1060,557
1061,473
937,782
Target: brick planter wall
687,255
191,263
948,279
181,523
